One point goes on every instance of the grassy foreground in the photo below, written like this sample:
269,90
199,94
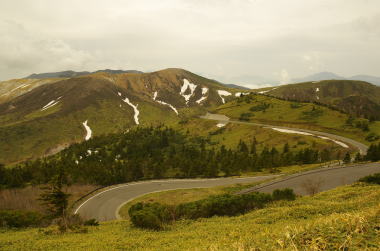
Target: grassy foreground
347,218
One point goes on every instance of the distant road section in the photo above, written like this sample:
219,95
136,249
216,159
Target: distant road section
105,204
224,119
320,180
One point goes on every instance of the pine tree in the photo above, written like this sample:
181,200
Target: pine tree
56,200
347,158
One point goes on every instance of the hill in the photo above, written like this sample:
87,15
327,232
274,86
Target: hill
347,217
318,77
332,76
54,113
358,98
274,111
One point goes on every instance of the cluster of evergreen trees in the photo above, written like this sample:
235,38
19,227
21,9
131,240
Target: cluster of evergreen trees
373,153
153,153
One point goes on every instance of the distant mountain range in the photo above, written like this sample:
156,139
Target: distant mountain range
332,76
70,74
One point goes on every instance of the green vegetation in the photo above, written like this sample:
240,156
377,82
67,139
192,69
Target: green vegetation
300,115
372,179
346,218
157,216
373,153
20,219
153,153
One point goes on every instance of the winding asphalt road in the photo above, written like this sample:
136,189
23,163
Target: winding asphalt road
104,205
224,119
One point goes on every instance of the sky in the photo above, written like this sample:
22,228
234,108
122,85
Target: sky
248,42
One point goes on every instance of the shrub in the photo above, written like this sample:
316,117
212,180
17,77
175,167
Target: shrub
372,137
150,215
91,222
20,219
261,107
155,215
284,194
373,179
245,116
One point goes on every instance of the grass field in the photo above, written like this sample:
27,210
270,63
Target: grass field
300,115
347,218
231,134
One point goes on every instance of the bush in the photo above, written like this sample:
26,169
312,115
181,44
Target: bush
372,137
373,179
258,108
245,116
155,215
150,215
91,222
284,194
20,219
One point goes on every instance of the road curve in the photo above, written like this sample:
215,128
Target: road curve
324,179
104,205
224,119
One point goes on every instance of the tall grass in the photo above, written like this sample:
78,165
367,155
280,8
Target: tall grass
27,198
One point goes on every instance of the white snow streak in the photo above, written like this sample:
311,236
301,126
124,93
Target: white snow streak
317,90
137,112
335,141
262,92
220,125
119,93
223,93
163,103
18,87
201,99
88,130
309,134
185,86
51,104
204,91
291,131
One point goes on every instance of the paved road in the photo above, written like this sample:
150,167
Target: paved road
224,119
104,205
324,179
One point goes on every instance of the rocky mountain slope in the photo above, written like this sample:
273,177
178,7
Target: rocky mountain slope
54,113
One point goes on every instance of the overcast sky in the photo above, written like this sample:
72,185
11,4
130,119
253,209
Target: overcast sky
233,41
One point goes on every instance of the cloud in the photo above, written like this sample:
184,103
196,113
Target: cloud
24,51
228,40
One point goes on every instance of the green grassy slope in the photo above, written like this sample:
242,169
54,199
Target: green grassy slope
346,218
358,98
294,114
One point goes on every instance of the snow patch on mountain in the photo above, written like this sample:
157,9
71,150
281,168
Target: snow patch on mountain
185,86
335,141
291,131
262,92
137,112
51,104
204,91
223,93
163,103
88,130
18,87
